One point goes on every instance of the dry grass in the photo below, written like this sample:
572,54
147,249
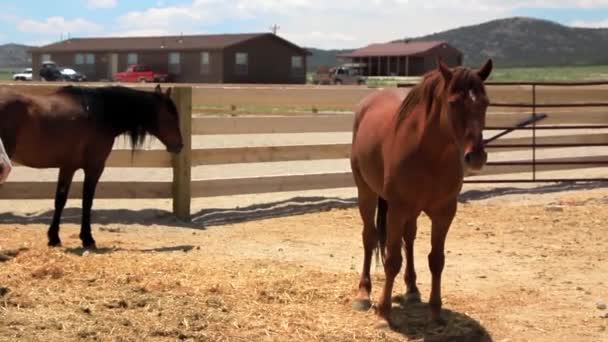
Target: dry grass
133,296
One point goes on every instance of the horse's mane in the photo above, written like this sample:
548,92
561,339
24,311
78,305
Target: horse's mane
127,110
425,92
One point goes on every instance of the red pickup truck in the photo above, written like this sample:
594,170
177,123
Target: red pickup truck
140,73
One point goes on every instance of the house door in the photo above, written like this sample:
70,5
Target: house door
113,65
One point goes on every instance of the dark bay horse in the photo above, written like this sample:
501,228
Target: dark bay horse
75,128
409,155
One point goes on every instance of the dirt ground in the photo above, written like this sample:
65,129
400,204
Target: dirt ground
521,265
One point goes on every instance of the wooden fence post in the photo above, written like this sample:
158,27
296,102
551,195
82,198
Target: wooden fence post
182,96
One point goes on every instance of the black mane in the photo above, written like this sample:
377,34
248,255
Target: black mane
126,110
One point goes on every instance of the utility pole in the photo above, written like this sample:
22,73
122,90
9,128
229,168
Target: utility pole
274,28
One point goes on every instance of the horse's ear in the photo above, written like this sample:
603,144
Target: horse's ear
485,70
157,89
168,91
445,71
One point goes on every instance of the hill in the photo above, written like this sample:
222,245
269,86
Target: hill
323,57
528,42
515,42
14,56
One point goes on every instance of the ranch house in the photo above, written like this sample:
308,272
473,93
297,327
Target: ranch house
405,58
222,58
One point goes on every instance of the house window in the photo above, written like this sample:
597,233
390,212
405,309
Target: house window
242,63
174,63
89,59
205,63
131,58
296,62
84,59
297,66
79,59
85,63
45,57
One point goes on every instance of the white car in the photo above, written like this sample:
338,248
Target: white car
25,75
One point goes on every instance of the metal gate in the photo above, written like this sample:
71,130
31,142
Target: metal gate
539,112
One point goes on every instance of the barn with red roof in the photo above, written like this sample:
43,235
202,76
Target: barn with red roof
403,58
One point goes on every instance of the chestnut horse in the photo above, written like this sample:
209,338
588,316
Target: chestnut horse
75,128
409,155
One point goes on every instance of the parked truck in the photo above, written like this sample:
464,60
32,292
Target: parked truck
141,73
349,73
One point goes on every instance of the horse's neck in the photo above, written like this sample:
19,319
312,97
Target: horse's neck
437,136
122,112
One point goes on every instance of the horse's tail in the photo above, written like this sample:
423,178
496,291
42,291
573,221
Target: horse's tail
381,228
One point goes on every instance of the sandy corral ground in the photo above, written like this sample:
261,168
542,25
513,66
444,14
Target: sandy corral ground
522,264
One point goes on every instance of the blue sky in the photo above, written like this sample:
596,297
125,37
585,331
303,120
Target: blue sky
311,23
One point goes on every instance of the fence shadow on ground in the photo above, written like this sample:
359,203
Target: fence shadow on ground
304,205
294,206
108,250
478,195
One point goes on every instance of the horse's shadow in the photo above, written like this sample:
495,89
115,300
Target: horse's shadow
412,320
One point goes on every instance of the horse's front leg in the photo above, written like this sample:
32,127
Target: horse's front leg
91,178
412,294
441,221
61,195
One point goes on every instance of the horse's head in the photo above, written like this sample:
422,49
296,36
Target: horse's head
166,127
466,107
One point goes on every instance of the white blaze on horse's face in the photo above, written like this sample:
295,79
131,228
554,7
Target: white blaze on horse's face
5,164
472,96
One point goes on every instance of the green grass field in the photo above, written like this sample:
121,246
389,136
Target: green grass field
574,73
568,73
5,75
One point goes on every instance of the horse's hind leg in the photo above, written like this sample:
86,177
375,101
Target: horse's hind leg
91,177
61,195
367,201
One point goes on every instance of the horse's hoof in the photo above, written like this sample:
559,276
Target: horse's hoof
408,298
438,320
362,304
382,324
54,243
412,297
89,245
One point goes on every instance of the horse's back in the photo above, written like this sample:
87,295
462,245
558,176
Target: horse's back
374,117
46,130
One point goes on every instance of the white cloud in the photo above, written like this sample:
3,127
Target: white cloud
39,42
331,24
102,3
140,33
591,24
58,25
318,23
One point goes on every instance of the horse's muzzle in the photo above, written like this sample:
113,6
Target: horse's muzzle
476,160
175,149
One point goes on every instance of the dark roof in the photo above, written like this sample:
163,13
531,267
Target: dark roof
182,42
394,49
